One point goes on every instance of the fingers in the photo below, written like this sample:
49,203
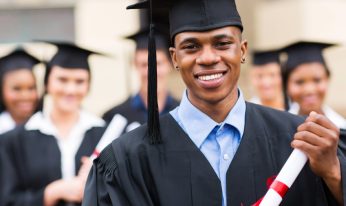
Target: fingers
321,120
317,125
310,138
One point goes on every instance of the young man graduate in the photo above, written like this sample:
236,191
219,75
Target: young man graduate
215,148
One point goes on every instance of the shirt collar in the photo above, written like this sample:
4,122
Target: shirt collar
42,122
6,122
138,103
198,125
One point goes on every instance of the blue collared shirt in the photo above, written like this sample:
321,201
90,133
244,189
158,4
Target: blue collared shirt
217,141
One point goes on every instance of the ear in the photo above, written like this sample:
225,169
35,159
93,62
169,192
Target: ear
243,48
173,53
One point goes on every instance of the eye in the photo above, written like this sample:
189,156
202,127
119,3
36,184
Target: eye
80,81
16,88
62,79
317,80
299,82
32,88
190,47
223,44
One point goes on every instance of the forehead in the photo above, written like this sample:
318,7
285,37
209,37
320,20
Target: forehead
229,31
267,67
18,74
309,69
57,70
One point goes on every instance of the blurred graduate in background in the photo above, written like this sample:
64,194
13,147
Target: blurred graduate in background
306,79
46,159
266,80
18,92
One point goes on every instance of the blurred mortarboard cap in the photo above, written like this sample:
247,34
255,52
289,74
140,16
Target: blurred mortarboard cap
265,57
196,15
141,38
305,52
17,59
70,55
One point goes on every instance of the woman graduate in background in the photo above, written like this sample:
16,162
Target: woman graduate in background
45,158
306,79
18,93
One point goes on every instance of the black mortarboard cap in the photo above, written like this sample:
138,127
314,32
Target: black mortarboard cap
265,57
304,52
141,39
70,56
18,59
196,15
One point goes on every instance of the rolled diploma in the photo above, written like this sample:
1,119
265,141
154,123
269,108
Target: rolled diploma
113,131
287,176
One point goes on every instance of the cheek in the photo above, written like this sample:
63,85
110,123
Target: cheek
83,89
10,96
322,88
294,91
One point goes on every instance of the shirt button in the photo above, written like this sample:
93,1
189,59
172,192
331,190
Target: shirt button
226,157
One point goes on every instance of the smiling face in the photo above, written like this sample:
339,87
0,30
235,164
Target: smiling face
266,80
209,64
68,87
307,85
19,94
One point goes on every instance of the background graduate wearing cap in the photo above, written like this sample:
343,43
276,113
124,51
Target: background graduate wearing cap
45,159
214,149
134,109
306,78
266,80
18,93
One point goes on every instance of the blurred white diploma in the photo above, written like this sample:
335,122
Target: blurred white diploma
113,131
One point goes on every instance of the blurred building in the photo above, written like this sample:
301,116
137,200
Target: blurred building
101,24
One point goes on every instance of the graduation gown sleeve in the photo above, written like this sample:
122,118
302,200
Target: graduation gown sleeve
12,179
33,161
102,186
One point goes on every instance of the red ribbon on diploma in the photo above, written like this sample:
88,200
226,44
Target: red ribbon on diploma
278,186
96,153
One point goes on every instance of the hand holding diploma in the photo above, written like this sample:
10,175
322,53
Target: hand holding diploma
316,140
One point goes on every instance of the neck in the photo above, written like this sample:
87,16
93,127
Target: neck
161,98
64,121
218,110
19,120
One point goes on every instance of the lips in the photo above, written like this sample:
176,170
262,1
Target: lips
210,77
210,80
312,99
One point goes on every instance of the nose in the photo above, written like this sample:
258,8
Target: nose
309,88
208,56
70,88
28,94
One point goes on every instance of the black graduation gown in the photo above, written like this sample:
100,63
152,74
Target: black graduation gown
2,165
136,112
33,160
133,172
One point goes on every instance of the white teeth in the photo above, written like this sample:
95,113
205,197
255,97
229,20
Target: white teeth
210,77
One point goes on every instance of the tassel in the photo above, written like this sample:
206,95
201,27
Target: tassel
153,111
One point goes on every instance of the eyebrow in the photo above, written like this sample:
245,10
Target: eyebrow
221,36
188,39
